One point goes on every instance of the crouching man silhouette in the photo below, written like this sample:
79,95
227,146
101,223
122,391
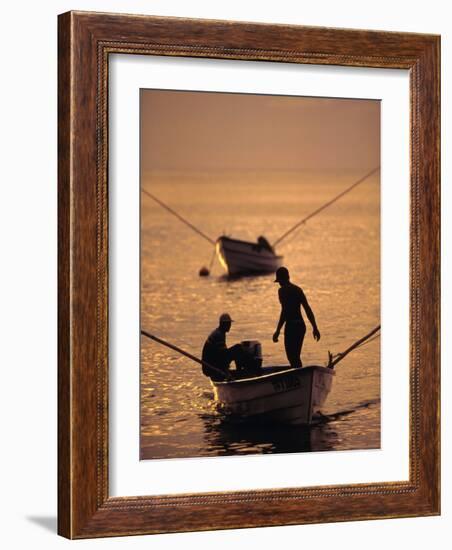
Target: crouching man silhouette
216,353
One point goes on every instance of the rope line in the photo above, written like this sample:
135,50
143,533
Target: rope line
329,203
359,346
227,375
212,259
178,216
334,359
368,341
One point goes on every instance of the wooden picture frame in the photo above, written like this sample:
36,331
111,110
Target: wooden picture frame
85,42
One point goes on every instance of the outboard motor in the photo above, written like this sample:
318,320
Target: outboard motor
252,356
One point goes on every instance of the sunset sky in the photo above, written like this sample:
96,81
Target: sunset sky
205,131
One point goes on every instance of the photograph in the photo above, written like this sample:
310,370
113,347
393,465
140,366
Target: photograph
260,274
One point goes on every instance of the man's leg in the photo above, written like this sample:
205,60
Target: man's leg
293,341
215,375
301,339
242,358
221,362
236,353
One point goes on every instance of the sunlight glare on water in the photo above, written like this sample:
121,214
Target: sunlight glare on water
335,258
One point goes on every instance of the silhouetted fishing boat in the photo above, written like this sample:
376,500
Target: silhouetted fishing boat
281,394
243,257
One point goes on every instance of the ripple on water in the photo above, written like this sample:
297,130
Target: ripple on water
335,258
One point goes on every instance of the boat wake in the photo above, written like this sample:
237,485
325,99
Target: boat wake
320,418
229,435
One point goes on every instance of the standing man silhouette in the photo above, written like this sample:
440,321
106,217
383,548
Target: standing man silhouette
291,298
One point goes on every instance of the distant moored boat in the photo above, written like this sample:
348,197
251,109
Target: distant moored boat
243,257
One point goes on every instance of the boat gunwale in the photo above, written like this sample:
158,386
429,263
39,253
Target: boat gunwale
249,243
252,254
255,379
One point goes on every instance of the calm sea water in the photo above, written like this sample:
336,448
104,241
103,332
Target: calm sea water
335,258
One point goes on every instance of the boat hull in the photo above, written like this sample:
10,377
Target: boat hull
243,257
284,395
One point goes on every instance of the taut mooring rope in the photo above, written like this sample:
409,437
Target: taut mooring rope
333,360
329,203
227,375
178,216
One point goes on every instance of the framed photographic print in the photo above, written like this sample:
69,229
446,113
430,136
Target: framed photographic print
248,275
252,163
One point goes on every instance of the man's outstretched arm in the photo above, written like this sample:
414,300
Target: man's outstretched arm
311,317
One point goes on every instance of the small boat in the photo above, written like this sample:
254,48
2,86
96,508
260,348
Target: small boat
280,394
243,257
